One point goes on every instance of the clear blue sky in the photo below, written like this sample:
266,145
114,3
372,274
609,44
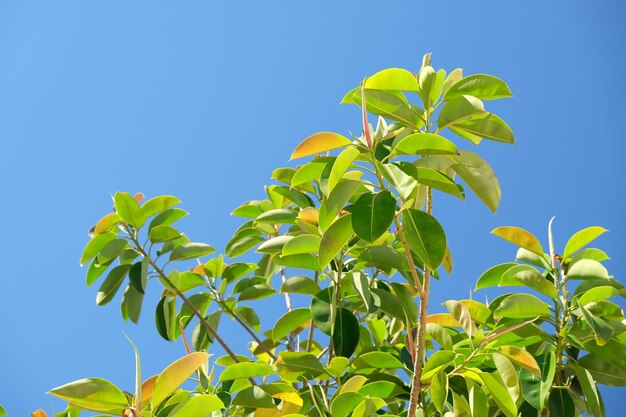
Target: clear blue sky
202,99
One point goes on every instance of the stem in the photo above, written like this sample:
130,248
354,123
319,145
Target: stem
291,337
189,304
418,365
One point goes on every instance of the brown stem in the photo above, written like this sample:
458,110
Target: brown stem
189,304
418,365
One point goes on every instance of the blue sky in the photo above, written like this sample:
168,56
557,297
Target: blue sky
202,99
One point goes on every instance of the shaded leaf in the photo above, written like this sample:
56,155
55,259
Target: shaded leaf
479,176
425,236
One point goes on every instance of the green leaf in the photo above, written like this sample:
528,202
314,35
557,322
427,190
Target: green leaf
522,358
460,407
246,370
332,206
138,275
437,180
191,251
439,390
158,205
131,304
392,79
163,233
321,311
590,253
377,360
592,397
437,362
338,366
508,374
424,144
345,333
301,261
392,105
112,250
318,143
202,405
300,285
302,362
425,236
492,276
385,257
599,293
256,292
372,214
344,403
2,411
489,127
111,284
95,245
521,306
500,394
460,109
519,237
462,315
291,321
274,245
129,210
587,269
602,371
528,276
478,403
482,86
253,397
452,78
167,217
335,239
581,239
311,171
479,176
278,216
342,163
93,394
175,374
601,330
301,244
165,319
560,404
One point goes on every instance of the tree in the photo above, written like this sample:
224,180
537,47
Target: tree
353,233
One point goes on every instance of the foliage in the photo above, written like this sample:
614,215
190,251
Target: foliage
354,236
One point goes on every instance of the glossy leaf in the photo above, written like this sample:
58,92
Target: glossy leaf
303,363
106,224
321,311
392,105
175,374
345,333
479,176
560,404
384,256
500,394
332,206
602,371
459,109
278,216
493,275
601,329
377,360
587,269
424,144
482,86
163,233
439,390
168,217
129,210
425,236
436,363
301,244
111,284
342,163
158,205
335,239
290,322
253,397
95,245
581,239
592,397
318,143
202,405
300,285
392,79
522,358
519,237
372,214
191,251
521,306
93,394
246,370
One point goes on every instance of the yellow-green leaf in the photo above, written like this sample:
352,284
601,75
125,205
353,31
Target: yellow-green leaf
582,238
128,209
175,374
392,79
319,142
519,237
93,394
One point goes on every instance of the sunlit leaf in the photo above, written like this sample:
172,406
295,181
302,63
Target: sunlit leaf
318,143
335,239
158,205
93,394
519,237
587,269
482,86
129,210
425,236
500,394
246,370
436,363
290,322
175,374
191,251
581,239
521,306
392,79
477,173
424,144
